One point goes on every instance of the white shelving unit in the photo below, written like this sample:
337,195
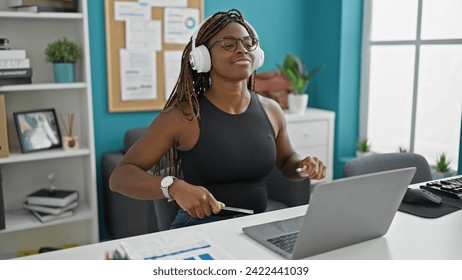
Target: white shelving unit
312,134
25,173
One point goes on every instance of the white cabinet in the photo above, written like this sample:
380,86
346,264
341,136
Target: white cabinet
25,173
312,134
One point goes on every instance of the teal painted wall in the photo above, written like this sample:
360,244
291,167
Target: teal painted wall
334,39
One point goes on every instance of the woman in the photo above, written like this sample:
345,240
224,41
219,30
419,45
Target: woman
223,138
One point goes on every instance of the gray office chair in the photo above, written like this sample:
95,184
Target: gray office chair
382,162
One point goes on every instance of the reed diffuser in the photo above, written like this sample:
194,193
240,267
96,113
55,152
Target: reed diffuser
70,141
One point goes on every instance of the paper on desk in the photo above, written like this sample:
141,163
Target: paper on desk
192,245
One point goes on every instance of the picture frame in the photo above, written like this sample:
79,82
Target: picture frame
38,130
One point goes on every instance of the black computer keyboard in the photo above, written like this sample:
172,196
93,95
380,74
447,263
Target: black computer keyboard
451,187
286,242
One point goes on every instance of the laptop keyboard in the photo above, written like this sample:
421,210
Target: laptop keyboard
285,242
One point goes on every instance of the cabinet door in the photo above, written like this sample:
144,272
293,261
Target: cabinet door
307,134
311,134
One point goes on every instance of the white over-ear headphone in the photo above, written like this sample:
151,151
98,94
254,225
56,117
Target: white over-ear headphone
200,60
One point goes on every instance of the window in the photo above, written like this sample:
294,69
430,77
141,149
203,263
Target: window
411,83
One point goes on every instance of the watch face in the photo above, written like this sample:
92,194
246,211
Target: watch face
167,181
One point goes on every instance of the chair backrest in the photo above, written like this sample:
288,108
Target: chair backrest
382,162
131,137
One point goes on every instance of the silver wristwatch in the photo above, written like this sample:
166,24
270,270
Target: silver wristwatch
165,184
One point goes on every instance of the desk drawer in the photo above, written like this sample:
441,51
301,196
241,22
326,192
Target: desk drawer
304,134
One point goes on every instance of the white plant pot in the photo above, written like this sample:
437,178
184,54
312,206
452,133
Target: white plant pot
297,103
362,154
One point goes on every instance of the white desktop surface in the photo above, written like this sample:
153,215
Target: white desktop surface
409,237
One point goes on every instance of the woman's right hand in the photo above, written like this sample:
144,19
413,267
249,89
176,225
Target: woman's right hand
196,200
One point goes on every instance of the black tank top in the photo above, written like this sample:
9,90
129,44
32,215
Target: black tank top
233,156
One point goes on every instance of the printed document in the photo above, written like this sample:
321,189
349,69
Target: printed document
193,245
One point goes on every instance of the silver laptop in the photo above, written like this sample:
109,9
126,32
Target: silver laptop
341,213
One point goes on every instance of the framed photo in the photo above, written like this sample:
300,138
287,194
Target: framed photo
38,130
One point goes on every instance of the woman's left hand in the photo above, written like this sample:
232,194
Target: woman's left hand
312,167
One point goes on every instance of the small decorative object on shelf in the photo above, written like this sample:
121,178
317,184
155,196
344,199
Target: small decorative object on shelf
51,178
4,44
299,78
442,168
38,130
70,141
63,54
363,147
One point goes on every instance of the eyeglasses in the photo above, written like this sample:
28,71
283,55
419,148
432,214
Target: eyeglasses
230,43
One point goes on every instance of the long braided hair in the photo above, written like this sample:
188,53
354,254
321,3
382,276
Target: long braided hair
191,84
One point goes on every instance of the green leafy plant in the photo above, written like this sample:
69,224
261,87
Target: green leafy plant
442,163
62,51
363,145
297,73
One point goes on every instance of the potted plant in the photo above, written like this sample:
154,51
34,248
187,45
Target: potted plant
299,78
63,54
363,147
442,168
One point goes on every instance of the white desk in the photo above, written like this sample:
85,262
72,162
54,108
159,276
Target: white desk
409,237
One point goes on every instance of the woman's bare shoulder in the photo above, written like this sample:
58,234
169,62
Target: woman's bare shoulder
177,124
179,113
271,106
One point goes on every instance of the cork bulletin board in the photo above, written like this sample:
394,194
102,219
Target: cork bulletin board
115,41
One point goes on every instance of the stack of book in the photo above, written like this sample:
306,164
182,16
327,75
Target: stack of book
48,205
36,6
14,67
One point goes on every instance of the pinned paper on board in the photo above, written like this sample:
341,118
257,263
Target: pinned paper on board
142,34
138,75
172,66
166,3
179,24
124,10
